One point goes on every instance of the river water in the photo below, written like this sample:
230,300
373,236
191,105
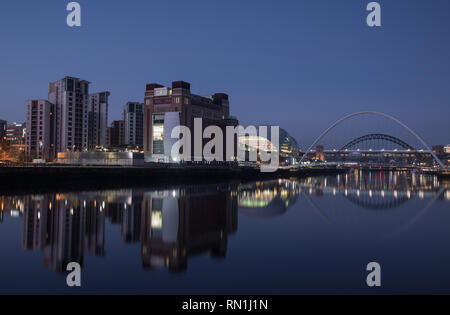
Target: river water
286,236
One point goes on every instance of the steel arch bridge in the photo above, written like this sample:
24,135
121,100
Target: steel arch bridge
377,137
340,121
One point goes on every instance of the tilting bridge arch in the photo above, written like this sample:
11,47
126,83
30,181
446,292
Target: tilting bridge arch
340,121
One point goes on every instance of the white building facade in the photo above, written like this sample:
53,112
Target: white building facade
71,99
39,140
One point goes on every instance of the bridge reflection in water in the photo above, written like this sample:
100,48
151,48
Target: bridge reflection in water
378,205
172,225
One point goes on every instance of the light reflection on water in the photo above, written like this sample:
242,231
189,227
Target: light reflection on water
167,228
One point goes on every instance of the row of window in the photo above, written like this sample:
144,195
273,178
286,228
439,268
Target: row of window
176,100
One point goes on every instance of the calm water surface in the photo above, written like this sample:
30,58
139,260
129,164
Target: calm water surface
310,235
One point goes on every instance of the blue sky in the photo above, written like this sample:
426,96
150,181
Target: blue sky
298,64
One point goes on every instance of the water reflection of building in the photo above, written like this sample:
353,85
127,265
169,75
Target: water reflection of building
185,222
65,235
12,205
34,230
64,227
172,224
125,210
268,198
131,221
94,236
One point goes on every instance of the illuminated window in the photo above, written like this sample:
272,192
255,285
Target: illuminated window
161,92
157,219
158,133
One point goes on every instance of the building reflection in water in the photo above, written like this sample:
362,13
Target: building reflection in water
183,222
64,227
268,198
172,225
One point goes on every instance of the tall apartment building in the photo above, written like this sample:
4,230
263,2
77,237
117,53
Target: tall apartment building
40,129
98,120
133,115
3,126
71,99
166,108
116,134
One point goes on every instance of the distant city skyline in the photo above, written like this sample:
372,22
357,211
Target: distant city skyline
297,64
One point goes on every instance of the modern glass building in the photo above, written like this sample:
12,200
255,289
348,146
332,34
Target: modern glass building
287,145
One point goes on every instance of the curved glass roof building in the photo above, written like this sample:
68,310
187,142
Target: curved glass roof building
287,145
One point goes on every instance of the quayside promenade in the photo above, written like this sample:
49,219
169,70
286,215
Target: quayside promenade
80,177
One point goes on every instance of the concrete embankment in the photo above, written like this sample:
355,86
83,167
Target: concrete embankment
73,177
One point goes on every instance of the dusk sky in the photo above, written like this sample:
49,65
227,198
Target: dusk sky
297,64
